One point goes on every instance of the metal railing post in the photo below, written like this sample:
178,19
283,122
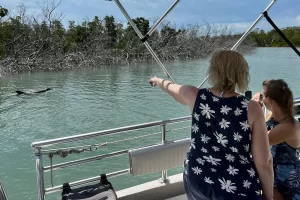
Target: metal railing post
144,38
40,174
3,195
163,140
162,18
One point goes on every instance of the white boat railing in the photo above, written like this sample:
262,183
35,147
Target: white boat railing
39,151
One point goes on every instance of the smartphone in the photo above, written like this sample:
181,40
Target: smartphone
261,98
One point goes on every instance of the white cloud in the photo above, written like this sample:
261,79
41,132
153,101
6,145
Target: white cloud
243,25
263,24
287,21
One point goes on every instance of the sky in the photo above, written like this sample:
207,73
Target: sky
237,13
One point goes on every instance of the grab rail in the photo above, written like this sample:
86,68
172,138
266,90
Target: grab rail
38,146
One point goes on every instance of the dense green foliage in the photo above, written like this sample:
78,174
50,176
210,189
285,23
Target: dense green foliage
273,39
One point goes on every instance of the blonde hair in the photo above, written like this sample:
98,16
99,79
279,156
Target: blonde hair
228,69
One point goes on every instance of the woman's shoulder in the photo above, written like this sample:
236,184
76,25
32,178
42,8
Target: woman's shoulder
253,106
297,125
285,128
255,112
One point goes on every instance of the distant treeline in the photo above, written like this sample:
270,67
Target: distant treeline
272,38
34,43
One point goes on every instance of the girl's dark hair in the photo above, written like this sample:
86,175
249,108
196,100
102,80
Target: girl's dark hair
279,91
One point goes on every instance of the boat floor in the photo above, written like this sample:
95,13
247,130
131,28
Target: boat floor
180,197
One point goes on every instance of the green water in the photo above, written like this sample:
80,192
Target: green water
97,99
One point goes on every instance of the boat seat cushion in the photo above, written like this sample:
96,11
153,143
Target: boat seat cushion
159,157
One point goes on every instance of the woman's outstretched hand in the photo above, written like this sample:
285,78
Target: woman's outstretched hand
152,81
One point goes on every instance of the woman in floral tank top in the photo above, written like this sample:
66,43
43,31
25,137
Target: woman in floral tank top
229,155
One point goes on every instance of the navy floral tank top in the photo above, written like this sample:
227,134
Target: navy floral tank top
220,149
286,165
